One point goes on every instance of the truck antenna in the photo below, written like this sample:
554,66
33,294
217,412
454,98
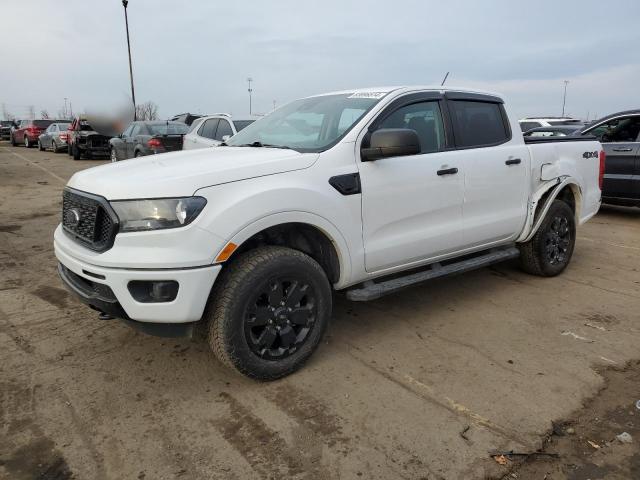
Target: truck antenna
444,79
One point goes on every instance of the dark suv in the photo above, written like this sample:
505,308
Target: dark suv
619,134
5,129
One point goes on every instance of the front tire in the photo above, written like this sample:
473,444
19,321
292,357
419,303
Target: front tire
40,147
77,154
13,141
113,155
27,143
268,311
550,250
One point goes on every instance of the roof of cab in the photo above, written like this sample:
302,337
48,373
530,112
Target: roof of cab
408,88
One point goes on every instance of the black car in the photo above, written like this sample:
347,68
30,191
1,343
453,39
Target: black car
147,138
557,131
619,133
5,129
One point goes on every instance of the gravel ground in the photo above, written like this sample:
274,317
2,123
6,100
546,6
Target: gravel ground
422,384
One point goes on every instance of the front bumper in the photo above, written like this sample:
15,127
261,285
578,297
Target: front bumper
106,289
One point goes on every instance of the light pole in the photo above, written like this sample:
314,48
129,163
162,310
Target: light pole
126,22
66,115
564,97
249,80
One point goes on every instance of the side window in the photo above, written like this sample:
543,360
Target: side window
624,129
208,129
135,131
223,129
478,124
425,118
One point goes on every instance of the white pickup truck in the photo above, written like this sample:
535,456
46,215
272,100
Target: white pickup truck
369,190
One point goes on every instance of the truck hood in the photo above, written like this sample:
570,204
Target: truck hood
180,174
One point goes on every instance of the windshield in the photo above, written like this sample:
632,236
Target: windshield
308,125
168,129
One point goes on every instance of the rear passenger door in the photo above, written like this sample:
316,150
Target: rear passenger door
495,167
620,138
224,130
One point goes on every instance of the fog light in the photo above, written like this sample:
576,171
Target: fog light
153,291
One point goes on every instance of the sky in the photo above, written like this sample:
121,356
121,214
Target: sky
196,55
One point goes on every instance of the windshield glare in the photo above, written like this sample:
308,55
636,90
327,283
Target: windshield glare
308,125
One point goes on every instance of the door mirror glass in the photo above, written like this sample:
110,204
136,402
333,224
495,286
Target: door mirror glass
226,137
391,142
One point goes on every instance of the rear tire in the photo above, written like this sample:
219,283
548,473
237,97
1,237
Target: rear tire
549,252
27,142
268,311
113,155
40,147
13,141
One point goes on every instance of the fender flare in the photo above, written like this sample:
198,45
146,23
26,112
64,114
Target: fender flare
555,187
325,226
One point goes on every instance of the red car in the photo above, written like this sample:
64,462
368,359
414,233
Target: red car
28,131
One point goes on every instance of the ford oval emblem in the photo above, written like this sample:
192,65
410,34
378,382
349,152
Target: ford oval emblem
72,217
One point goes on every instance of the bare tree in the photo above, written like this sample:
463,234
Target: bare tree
44,114
7,114
147,111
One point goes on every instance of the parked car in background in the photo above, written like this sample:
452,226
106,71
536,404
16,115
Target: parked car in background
619,133
54,137
84,141
212,130
147,138
5,129
28,131
187,118
533,122
559,131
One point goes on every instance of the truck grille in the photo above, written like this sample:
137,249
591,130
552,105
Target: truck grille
89,219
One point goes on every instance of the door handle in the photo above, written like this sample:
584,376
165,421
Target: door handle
448,171
622,149
513,161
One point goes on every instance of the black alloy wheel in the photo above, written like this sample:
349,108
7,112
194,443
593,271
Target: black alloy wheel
280,317
557,240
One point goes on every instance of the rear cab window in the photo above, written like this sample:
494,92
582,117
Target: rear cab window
478,123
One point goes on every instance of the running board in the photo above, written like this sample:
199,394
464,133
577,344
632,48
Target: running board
371,290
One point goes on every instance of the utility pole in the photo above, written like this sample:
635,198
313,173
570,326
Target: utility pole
126,22
249,80
66,114
564,97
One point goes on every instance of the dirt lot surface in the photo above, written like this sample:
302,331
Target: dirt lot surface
420,385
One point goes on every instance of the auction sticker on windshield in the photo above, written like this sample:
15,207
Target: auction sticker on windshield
376,95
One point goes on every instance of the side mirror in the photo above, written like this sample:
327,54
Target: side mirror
391,142
226,137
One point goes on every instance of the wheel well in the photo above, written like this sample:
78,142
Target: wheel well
569,194
299,236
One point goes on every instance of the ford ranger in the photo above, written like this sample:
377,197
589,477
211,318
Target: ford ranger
368,191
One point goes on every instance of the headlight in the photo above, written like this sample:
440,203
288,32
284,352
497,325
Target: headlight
156,214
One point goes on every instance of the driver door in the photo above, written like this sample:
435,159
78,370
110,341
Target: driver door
412,205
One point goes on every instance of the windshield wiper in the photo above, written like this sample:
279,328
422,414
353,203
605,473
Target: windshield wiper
265,145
